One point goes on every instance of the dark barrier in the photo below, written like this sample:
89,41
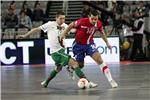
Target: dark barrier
22,51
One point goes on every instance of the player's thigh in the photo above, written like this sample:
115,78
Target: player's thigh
97,57
78,51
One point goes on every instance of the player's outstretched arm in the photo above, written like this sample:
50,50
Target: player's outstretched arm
104,37
34,30
66,31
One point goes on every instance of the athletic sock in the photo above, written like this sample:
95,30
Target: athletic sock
104,68
53,73
79,73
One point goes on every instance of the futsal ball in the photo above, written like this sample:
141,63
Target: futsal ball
125,45
83,83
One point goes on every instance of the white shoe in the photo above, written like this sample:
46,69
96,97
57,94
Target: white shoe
70,73
44,84
113,84
92,85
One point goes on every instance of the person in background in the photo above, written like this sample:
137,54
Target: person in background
138,31
10,19
85,11
27,10
38,13
24,21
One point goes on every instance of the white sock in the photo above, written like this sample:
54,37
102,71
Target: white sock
104,68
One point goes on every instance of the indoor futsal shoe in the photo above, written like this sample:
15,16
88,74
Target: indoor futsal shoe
92,85
113,84
44,84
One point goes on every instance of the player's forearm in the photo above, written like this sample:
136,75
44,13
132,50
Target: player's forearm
104,37
67,30
34,30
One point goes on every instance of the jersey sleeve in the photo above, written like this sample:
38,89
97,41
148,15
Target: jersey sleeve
65,26
77,23
45,26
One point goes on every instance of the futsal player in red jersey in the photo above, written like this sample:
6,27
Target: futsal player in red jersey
84,43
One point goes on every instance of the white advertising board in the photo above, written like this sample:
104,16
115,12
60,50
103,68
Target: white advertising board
110,56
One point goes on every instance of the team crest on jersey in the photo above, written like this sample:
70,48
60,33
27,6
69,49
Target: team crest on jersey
84,27
63,28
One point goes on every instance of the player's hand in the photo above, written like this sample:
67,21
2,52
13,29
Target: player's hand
61,42
61,37
20,36
109,46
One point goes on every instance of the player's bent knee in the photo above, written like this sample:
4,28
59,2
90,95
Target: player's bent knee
100,62
72,62
81,65
75,64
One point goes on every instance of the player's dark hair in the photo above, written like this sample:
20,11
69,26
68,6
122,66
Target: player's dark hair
93,12
59,13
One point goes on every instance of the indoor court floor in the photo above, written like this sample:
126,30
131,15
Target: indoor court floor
23,83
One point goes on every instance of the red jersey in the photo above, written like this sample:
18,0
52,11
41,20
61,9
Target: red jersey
85,30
